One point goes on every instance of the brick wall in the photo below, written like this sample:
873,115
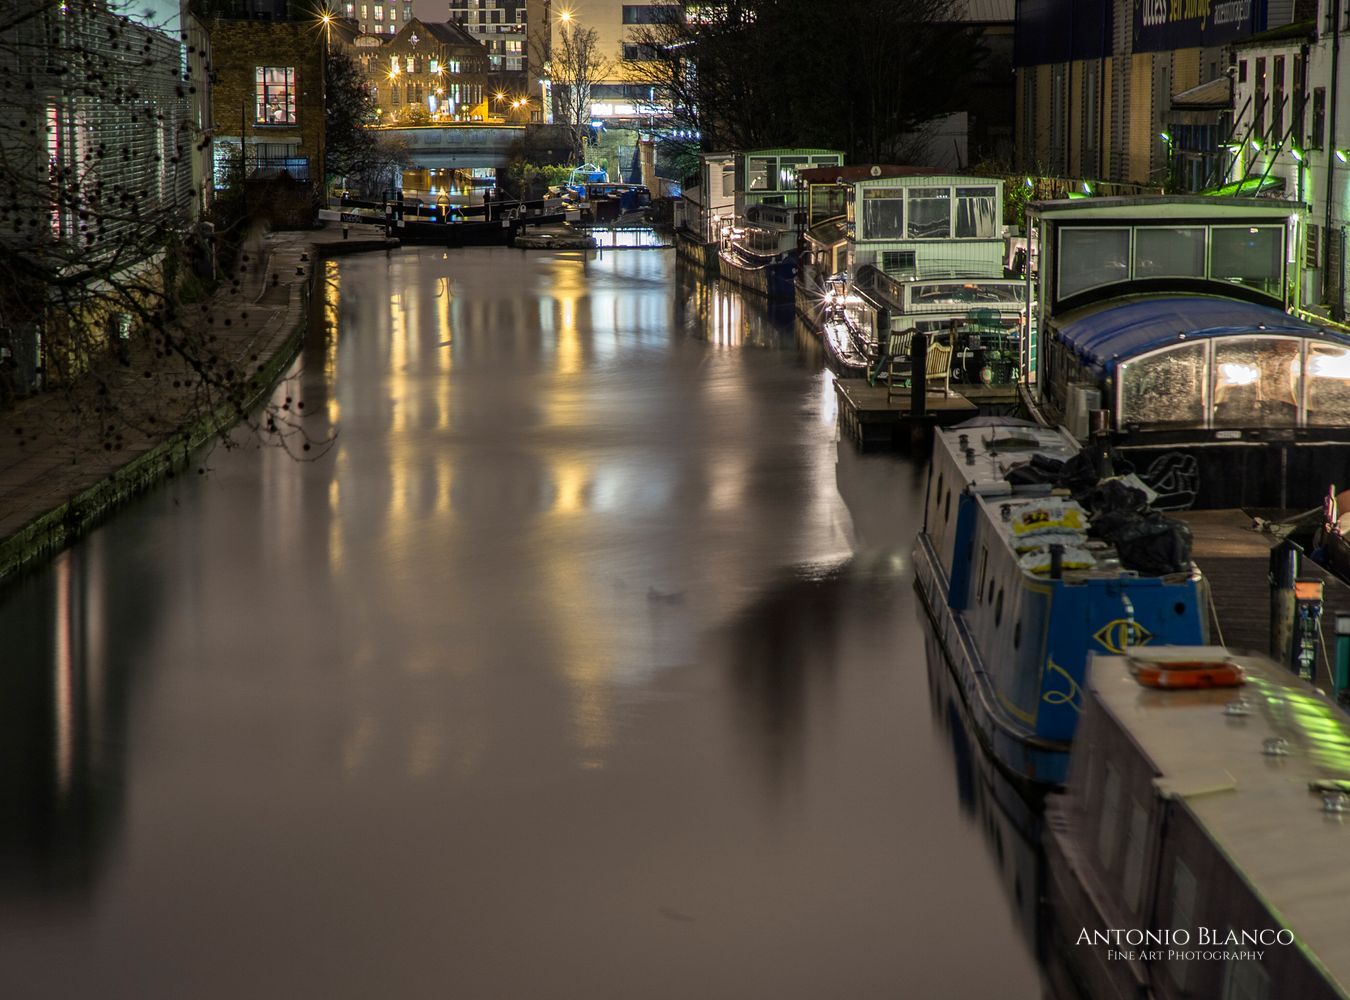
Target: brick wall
238,48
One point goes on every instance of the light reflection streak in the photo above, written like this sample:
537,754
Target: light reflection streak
64,709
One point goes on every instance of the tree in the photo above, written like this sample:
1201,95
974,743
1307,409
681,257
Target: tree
102,256
349,110
575,66
884,68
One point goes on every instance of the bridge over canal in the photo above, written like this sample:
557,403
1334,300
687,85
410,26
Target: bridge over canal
463,146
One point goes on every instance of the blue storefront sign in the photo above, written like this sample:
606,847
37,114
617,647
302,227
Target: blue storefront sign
1163,25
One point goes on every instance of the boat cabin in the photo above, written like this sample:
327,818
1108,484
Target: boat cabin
911,223
705,206
1166,322
773,177
1205,810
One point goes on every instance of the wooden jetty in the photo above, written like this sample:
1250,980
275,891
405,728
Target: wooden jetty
874,417
1235,559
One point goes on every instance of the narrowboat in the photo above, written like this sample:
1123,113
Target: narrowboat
1025,564
1173,325
1198,848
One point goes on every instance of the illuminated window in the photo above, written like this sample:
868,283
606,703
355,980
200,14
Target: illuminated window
1256,382
976,212
1327,384
275,95
379,13
930,213
1165,389
883,213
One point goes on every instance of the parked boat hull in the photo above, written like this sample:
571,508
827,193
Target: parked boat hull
775,279
1024,757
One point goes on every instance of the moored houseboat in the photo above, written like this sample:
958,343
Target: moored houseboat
758,243
1198,849
701,209
1170,323
1022,582
915,251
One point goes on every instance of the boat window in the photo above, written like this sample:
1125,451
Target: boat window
947,507
1256,382
1134,855
827,201
1017,634
1248,255
1165,389
984,566
1089,258
1183,914
1245,979
930,213
1108,827
1169,252
761,174
883,213
1327,384
975,212
998,609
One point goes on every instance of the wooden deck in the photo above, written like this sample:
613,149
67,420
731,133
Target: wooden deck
874,418
1236,561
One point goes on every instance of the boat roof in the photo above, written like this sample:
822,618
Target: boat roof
996,444
1103,336
1258,810
1159,208
981,452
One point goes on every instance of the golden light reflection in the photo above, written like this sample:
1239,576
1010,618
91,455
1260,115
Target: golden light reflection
63,680
570,481
726,492
445,345
331,311
336,546
584,652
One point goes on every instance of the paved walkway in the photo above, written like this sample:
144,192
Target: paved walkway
63,464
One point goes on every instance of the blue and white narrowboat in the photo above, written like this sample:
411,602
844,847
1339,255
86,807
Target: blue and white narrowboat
1022,583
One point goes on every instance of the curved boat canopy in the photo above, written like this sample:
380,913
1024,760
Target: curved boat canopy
1107,337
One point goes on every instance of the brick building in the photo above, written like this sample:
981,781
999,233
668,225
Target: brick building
427,72
267,102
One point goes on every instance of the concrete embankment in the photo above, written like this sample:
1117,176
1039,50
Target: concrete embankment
59,478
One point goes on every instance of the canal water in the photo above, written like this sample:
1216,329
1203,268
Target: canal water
583,661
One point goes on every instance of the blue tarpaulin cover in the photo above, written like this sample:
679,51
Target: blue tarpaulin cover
1104,338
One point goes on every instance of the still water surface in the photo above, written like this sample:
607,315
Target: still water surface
584,663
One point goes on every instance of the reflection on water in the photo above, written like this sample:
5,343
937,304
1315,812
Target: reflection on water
584,662
1011,824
